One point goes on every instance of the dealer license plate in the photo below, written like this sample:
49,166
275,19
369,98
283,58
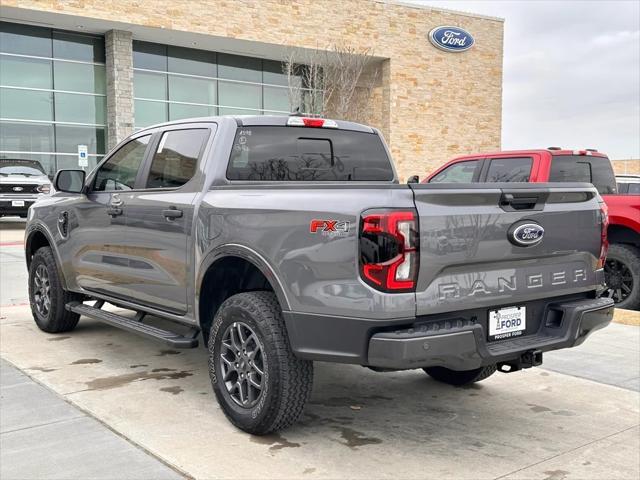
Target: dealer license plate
507,322
17,203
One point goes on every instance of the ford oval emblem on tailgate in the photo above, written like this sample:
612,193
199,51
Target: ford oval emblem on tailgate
526,234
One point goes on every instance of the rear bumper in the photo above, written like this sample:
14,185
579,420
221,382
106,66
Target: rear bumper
457,340
465,347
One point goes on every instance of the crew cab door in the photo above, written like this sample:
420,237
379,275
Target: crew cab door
159,218
509,168
97,240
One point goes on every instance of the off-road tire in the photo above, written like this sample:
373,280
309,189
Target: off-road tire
288,380
630,256
58,319
462,377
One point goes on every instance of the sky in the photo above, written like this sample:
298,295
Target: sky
571,72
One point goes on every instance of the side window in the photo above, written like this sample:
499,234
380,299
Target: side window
623,188
120,171
457,173
509,170
176,158
569,169
602,176
634,189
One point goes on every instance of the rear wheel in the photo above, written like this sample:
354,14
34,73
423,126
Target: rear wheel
460,378
259,383
47,297
622,275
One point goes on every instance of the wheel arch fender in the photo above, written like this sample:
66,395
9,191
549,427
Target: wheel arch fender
618,233
251,256
33,241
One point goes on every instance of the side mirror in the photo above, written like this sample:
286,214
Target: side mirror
70,181
413,179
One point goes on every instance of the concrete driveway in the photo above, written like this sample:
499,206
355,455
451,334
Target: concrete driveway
359,424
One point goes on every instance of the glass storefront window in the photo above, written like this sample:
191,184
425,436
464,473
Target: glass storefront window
150,85
234,67
25,72
77,46
68,137
191,89
59,98
25,39
149,112
27,137
150,56
196,83
192,62
237,111
79,77
272,73
26,104
232,94
178,111
71,107
48,162
276,98
71,161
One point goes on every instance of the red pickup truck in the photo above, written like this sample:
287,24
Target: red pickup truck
622,268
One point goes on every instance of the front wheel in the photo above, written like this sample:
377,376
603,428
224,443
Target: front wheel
47,297
460,378
259,383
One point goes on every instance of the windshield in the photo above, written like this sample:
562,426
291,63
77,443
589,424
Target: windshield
27,168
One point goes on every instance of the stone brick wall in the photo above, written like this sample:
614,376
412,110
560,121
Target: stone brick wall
119,71
626,166
431,105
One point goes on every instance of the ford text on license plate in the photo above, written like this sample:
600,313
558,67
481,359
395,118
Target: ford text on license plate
507,322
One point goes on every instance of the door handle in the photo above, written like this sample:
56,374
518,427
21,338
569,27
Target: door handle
171,213
114,211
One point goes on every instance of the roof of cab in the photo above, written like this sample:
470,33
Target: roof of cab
259,120
551,151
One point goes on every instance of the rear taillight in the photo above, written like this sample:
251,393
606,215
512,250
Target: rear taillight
389,253
604,241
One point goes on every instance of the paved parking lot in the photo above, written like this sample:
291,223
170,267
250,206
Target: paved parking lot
575,421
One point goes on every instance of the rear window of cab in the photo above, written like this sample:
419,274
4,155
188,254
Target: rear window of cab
295,154
581,168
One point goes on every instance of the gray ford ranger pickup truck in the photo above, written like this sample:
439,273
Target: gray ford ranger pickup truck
284,240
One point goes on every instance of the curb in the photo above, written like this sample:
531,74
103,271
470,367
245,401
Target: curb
627,317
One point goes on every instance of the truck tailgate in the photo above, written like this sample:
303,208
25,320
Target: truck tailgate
469,258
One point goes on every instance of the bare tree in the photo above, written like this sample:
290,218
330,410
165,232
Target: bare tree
330,82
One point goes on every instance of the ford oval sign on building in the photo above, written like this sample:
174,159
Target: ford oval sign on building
451,39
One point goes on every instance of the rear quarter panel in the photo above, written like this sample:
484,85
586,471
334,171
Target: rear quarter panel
624,210
318,271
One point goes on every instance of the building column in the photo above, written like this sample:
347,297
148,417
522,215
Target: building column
119,66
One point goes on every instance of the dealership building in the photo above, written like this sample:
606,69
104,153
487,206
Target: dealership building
82,75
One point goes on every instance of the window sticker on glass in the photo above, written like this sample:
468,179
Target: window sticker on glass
240,154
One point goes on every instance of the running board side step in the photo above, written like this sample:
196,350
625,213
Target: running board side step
134,325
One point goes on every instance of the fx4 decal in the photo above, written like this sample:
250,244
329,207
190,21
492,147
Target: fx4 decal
332,228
